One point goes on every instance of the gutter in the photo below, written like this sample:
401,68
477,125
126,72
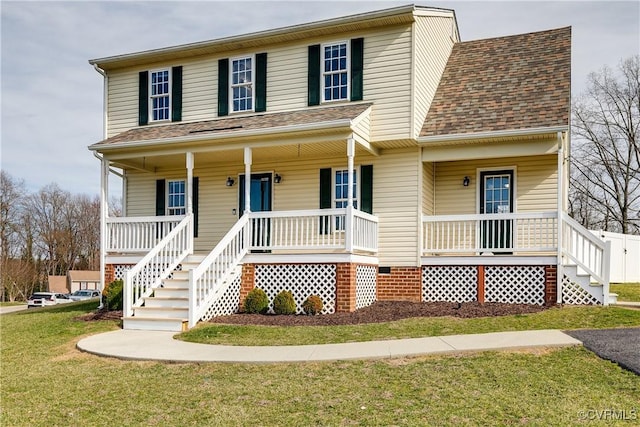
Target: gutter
460,137
335,124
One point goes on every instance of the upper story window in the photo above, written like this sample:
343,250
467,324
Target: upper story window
242,84
335,74
176,197
160,95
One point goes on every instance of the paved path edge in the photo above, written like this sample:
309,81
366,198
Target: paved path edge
161,346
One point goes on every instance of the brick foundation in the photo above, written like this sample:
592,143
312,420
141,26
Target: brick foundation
109,273
345,288
247,282
550,284
402,284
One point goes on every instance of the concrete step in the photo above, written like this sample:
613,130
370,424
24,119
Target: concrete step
167,302
176,283
170,292
155,324
162,312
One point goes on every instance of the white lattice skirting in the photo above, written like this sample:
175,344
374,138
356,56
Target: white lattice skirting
228,303
366,279
572,293
449,283
302,280
514,285
119,270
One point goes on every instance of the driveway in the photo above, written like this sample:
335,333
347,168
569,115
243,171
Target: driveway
12,308
621,346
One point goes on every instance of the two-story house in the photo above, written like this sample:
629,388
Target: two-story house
363,158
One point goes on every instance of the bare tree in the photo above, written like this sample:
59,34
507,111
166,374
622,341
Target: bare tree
606,160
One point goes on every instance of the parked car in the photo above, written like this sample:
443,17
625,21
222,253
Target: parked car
83,294
42,299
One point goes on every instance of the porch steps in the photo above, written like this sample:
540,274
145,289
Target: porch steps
167,309
596,290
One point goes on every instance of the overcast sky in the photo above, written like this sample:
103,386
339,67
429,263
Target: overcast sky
52,97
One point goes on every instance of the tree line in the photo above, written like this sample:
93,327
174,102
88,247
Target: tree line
44,233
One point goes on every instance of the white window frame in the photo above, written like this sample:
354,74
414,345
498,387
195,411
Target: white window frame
323,73
176,210
339,225
497,169
251,84
156,96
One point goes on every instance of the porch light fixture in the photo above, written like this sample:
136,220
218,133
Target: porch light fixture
277,179
466,181
230,182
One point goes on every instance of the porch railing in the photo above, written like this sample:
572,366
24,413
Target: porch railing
586,250
321,229
157,264
206,280
489,233
138,234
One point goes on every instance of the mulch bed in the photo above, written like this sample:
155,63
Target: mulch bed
381,311
384,311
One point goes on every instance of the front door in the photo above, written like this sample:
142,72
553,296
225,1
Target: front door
261,189
496,197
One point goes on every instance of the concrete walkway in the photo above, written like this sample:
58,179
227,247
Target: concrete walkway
161,346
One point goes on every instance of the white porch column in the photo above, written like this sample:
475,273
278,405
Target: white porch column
351,150
189,161
104,214
247,179
560,243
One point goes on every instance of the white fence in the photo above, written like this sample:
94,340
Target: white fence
625,256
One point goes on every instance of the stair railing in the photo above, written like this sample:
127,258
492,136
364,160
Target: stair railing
587,251
157,265
218,265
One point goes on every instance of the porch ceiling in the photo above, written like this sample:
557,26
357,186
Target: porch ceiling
235,155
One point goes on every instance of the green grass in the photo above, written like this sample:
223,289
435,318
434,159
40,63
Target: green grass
11,303
626,291
555,318
47,382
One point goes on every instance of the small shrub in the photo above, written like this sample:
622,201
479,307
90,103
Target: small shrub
256,302
312,305
113,294
284,303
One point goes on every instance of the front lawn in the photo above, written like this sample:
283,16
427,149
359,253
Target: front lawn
626,291
567,317
47,382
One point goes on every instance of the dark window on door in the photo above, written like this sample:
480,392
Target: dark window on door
496,197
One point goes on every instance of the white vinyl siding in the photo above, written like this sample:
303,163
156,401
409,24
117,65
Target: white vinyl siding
433,45
386,83
535,180
395,200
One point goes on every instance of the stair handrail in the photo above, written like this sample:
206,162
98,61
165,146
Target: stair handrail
594,258
157,265
216,268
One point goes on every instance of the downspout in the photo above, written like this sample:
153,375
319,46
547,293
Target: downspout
560,225
104,182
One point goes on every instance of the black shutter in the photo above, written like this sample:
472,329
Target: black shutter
313,75
357,63
325,199
366,188
143,98
176,94
160,197
196,191
223,87
261,82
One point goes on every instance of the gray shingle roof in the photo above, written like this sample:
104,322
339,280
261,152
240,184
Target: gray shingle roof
506,83
229,125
